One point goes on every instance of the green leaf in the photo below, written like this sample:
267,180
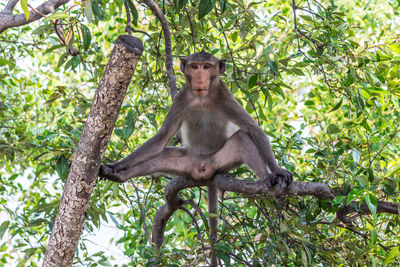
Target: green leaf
98,10
89,11
261,114
42,29
4,62
234,36
283,227
146,252
333,129
376,90
274,67
356,155
372,203
395,48
54,47
86,36
205,7
133,12
224,5
114,220
222,250
373,237
62,167
24,6
304,258
307,18
338,200
253,81
62,60
125,132
337,105
297,71
115,189
179,4
269,101
359,103
393,254
73,63
320,50
392,170
55,16
3,228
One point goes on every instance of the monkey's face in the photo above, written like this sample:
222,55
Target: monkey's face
200,75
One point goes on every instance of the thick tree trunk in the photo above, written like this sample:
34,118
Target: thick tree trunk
90,151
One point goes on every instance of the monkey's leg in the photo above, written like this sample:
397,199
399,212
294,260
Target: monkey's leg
239,149
173,160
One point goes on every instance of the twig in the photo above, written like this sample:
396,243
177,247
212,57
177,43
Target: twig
198,232
128,27
191,30
142,212
37,11
235,68
168,45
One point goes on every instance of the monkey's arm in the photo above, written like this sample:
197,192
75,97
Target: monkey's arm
156,144
238,115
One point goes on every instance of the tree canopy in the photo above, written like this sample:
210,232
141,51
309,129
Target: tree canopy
321,78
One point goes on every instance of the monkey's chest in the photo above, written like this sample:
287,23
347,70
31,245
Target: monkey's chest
204,133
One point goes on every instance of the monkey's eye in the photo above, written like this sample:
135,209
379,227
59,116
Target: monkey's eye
194,66
206,66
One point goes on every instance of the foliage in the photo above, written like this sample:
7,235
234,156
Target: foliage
321,77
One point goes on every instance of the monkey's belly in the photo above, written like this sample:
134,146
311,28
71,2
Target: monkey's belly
206,136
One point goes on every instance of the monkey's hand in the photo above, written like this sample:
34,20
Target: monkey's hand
280,177
108,172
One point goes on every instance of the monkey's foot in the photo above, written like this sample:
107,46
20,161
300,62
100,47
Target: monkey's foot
280,178
203,170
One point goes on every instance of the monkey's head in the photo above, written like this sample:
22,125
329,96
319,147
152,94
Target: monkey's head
201,71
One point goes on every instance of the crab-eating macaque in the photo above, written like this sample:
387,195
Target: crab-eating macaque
217,133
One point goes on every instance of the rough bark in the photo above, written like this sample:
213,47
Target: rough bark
90,151
7,20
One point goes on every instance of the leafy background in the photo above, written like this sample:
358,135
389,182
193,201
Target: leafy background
321,79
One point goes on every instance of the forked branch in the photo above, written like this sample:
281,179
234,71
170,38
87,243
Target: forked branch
7,20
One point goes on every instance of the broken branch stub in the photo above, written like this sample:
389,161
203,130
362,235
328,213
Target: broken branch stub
95,136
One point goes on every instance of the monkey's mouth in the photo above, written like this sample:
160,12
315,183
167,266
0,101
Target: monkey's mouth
200,92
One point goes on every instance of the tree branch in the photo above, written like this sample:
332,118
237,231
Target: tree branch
168,44
162,216
228,183
10,6
95,136
7,20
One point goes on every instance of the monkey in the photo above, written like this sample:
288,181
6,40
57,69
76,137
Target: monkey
217,133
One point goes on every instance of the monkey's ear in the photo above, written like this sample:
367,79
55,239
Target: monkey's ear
222,65
183,63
